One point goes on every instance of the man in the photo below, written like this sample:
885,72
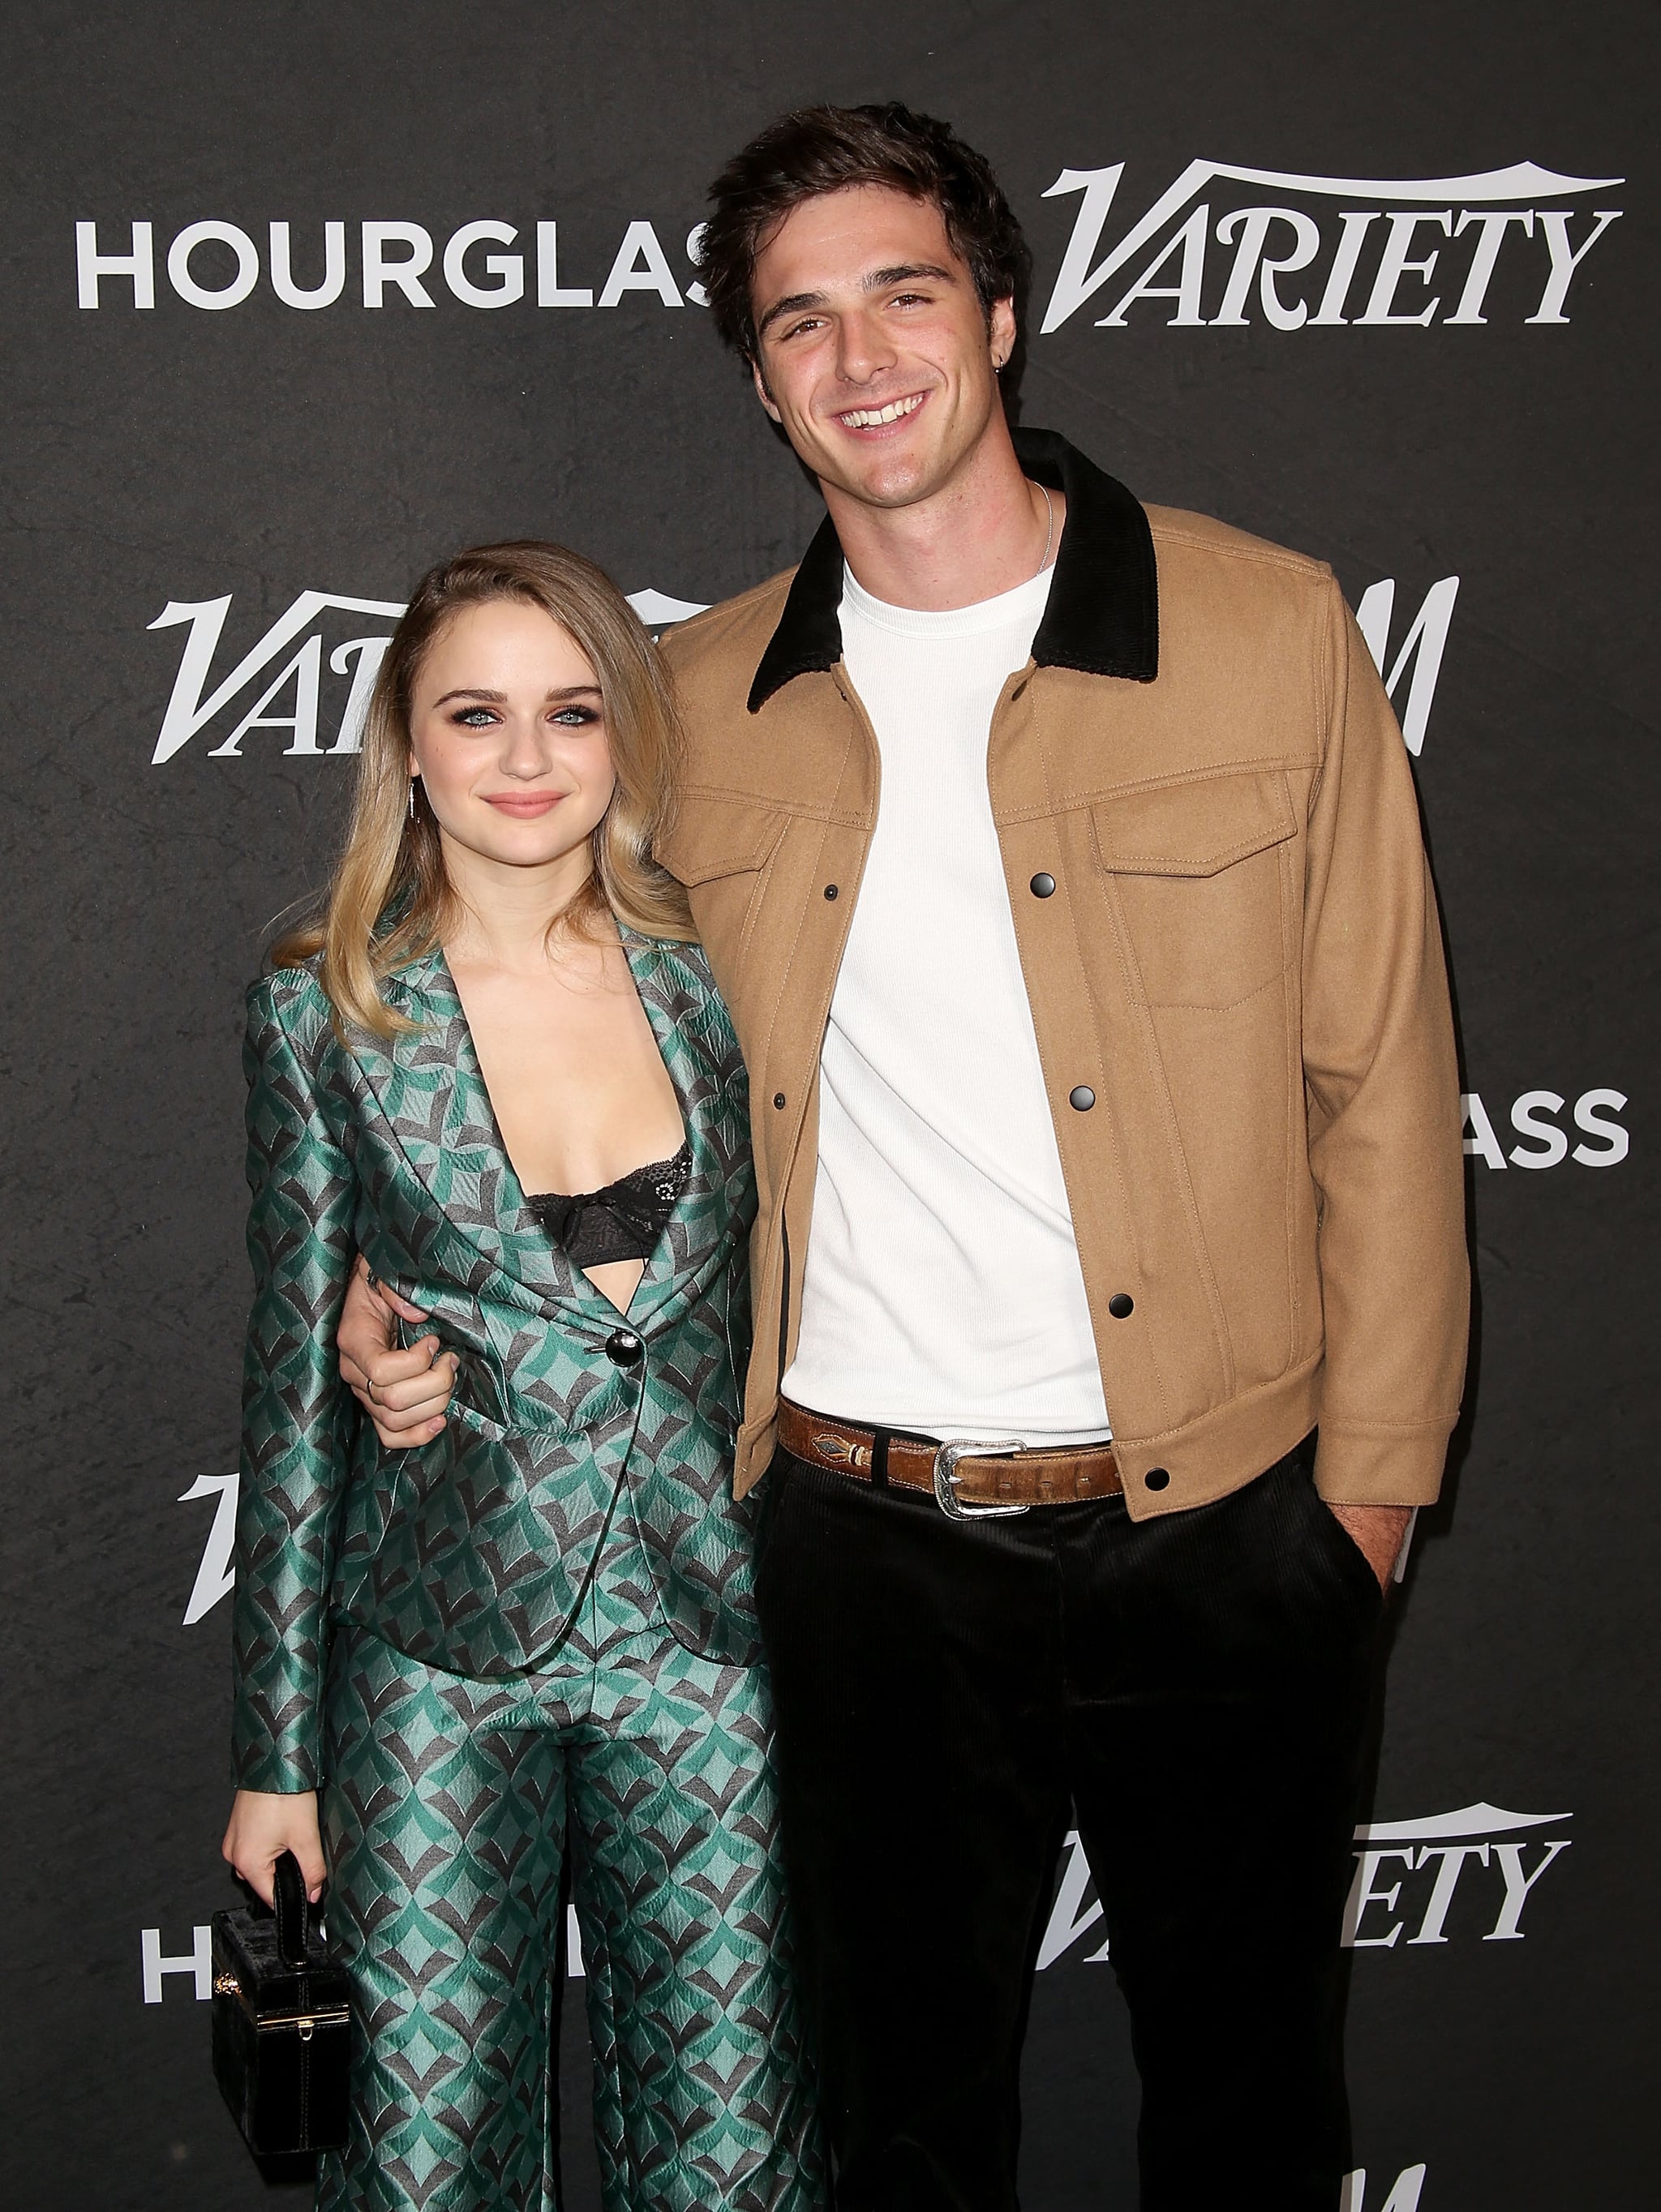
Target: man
1060,862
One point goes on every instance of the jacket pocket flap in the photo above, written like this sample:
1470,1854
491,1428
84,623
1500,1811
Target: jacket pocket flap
714,836
1194,827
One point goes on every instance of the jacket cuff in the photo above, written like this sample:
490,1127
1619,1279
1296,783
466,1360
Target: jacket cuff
285,1774
1380,1467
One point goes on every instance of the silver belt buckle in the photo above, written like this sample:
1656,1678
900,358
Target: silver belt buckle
945,1474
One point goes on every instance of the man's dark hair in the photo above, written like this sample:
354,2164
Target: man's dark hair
815,150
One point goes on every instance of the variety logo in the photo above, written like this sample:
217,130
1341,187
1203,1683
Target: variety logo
216,1575
1419,656
272,688
1312,258
1604,1142
214,265
1374,1916
1451,1843
289,697
1403,2195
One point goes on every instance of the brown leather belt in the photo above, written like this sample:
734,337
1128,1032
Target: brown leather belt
967,1480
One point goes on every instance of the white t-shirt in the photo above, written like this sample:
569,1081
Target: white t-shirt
943,1290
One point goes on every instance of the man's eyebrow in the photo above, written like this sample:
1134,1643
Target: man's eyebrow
904,272
878,280
792,304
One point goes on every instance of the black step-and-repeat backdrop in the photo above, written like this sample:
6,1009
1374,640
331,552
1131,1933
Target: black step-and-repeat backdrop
296,299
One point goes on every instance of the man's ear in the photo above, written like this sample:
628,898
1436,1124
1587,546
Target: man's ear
762,392
1000,331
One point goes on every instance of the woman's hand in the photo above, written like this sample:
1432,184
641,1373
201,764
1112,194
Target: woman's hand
404,1393
264,1825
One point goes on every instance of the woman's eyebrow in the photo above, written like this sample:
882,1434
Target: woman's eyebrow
500,698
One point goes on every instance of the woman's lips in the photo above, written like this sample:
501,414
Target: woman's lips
524,807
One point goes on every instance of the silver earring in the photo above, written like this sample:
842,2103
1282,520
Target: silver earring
413,785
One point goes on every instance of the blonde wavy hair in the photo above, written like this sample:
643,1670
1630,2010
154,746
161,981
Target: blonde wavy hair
391,899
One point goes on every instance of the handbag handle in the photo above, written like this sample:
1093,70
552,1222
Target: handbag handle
289,1899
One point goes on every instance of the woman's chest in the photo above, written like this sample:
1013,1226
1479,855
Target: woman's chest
576,1082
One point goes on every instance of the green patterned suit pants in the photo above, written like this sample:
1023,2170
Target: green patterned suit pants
445,1812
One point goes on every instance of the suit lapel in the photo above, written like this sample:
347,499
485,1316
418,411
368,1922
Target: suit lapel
432,1092
694,1037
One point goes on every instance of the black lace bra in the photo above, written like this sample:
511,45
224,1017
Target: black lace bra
622,1222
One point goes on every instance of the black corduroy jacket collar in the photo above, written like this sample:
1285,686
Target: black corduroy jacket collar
1103,614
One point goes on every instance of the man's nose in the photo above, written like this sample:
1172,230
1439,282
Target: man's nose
865,349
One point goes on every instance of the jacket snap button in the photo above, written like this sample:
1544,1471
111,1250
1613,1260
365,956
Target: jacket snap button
1158,1478
1082,1099
830,890
778,1098
624,1347
1042,886
1122,1305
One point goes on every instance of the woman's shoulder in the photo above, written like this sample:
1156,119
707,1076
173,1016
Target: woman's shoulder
290,1002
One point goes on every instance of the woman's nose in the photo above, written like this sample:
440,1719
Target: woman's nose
526,752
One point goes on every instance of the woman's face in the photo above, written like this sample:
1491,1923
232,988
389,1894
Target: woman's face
507,734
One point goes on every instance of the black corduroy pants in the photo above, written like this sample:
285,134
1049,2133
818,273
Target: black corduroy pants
1197,1687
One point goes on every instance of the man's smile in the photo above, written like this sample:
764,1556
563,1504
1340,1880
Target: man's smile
880,418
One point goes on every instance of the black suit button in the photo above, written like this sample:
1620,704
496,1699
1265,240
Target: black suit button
830,890
1082,1099
1122,1305
1158,1478
778,1098
624,1348
1041,886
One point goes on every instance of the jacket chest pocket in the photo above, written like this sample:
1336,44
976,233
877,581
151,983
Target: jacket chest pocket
722,849
1201,875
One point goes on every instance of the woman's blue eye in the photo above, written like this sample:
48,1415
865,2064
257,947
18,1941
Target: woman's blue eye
574,718
474,718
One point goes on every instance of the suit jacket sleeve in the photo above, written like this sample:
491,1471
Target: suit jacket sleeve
1382,1089
298,1418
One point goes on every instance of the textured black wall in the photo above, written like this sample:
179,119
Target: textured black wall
257,451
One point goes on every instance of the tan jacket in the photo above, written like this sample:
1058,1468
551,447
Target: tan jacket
1236,982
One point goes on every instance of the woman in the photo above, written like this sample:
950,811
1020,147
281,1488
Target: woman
499,1068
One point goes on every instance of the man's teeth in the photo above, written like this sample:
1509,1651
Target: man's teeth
868,418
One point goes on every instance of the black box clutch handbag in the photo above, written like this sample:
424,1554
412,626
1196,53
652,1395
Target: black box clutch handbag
282,2024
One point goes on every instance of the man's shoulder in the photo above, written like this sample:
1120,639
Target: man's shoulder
1201,541
720,648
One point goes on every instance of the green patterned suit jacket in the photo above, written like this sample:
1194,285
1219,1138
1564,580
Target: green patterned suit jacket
473,1552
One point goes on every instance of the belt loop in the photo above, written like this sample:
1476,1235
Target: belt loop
879,1458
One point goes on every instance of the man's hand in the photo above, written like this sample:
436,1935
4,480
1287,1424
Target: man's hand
404,1393
263,1825
1379,1530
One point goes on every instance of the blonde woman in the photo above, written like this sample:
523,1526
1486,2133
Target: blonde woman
499,1068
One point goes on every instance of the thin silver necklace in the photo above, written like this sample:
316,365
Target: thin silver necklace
1048,535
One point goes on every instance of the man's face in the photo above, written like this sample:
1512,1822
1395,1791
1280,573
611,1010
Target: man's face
875,352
